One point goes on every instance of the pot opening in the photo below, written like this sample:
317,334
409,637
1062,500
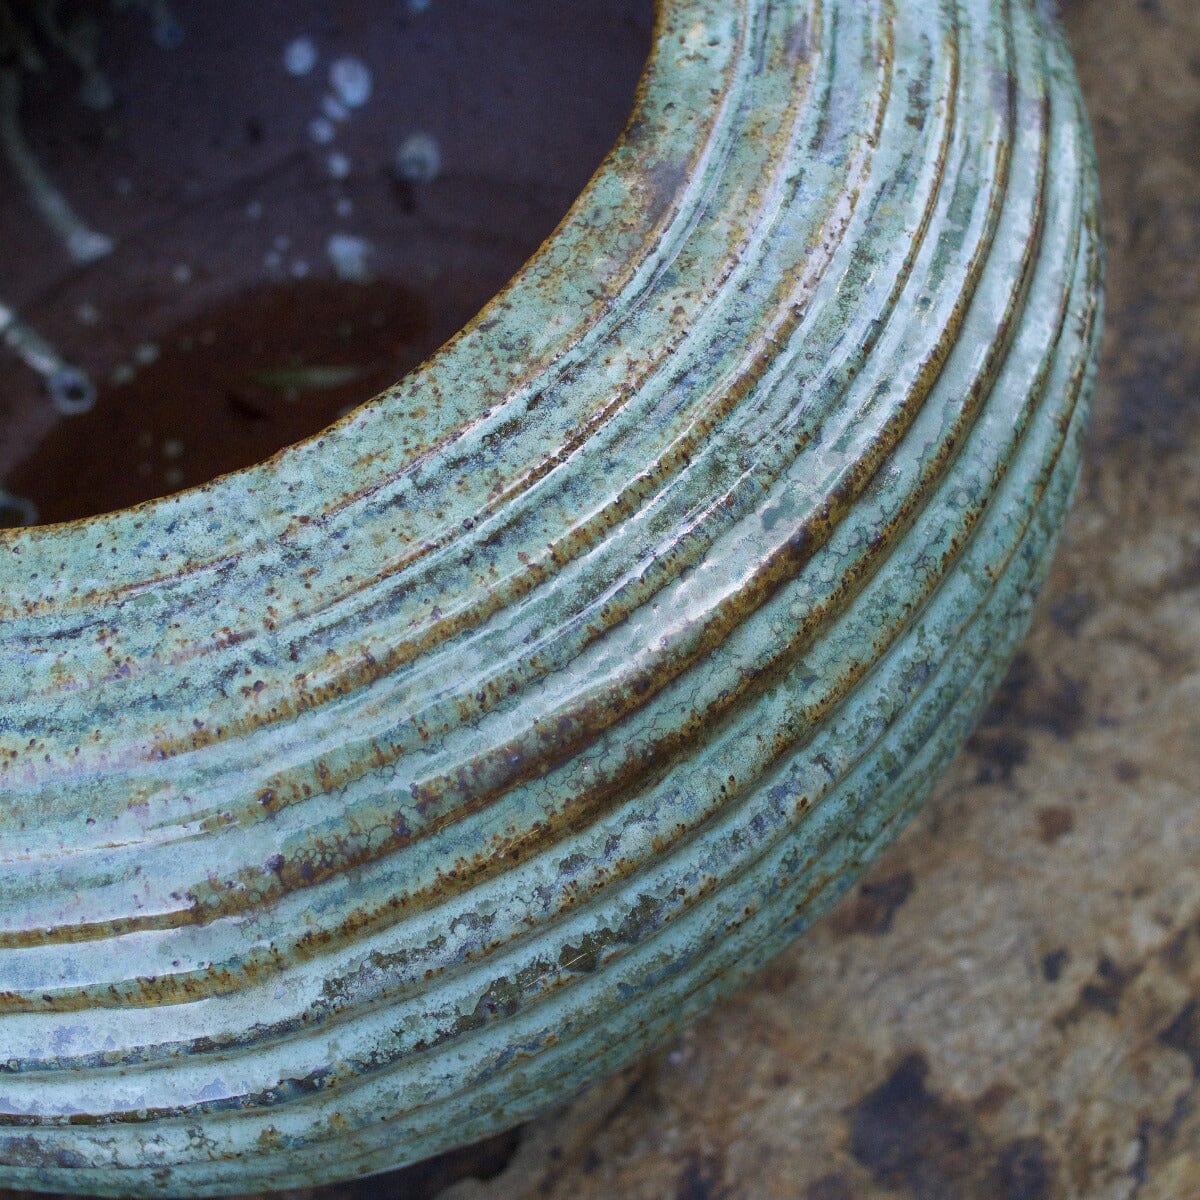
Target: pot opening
227,225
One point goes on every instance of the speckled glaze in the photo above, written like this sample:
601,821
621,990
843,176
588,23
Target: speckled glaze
370,800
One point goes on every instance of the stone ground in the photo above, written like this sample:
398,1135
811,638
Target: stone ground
1008,1008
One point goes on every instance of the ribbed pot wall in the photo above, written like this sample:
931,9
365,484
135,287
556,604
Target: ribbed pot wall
367,801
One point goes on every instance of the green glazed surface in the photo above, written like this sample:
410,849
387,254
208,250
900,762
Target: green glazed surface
367,801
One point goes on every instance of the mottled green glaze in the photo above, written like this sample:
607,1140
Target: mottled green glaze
367,801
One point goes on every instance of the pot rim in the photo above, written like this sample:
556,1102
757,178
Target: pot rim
230,486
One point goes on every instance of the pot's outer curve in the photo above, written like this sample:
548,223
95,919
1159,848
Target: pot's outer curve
367,801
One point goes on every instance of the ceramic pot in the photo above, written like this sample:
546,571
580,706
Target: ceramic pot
370,799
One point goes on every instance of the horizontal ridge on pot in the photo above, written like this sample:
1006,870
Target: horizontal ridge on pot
366,801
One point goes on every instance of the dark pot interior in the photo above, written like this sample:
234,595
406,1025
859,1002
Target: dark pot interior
226,224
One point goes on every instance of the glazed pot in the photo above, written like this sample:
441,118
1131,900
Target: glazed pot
370,799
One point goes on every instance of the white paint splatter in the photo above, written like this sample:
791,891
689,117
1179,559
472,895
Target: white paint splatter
334,109
86,245
299,56
70,389
95,92
350,79
79,40
168,30
419,159
83,244
321,130
348,254
338,165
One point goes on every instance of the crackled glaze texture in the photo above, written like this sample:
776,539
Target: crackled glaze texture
368,801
